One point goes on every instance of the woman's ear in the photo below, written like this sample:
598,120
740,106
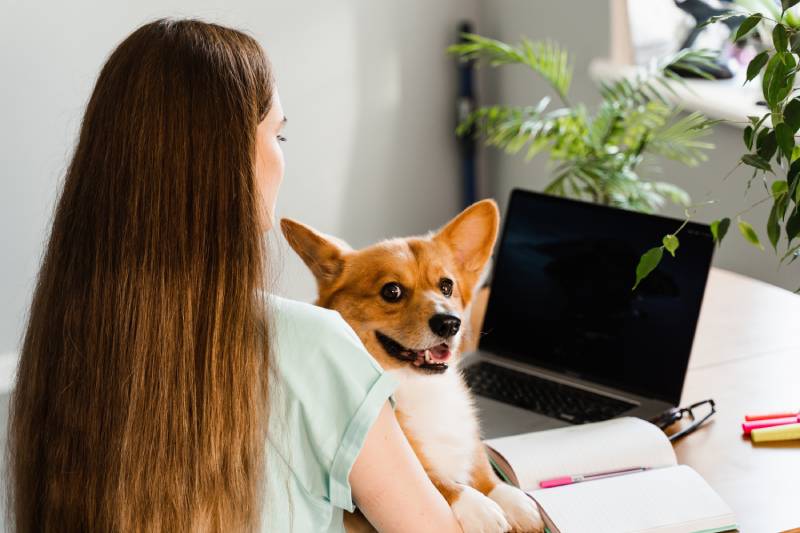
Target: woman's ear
471,234
323,254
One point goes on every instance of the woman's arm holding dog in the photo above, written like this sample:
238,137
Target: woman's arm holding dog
390,486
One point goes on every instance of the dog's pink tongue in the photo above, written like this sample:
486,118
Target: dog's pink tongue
440,352
437,354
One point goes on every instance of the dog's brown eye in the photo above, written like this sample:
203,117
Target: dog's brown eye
392,292
446,286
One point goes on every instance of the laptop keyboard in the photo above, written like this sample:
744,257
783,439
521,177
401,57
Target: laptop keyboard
550,398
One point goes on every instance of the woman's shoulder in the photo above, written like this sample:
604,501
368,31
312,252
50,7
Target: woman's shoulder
328,393
287,310
304,326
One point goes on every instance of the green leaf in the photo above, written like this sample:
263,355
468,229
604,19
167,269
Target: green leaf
791,114
647,263
718,18
747,25
749,233
779,38
719,228
756,64
766,144
791,178
773,226
778,78
757,122
793,225
671,243
785,138
794,172
756,161
786,4
779,187
782,202
748,137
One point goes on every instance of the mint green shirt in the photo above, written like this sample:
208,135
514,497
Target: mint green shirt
326,393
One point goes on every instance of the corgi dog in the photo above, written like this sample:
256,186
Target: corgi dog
408,300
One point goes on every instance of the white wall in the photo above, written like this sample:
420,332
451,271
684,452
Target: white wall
583,28
367,87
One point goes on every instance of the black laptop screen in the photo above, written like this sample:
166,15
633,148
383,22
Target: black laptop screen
561,294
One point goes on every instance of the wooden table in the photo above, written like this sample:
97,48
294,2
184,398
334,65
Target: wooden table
746,356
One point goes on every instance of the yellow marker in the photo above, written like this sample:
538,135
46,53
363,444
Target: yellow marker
785,432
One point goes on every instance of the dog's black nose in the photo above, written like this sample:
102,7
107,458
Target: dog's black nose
444,325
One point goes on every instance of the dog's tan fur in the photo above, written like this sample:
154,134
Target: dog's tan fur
350,281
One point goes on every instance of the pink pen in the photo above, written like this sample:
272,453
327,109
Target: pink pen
569,480
747,427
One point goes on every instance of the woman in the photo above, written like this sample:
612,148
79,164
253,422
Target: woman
160,387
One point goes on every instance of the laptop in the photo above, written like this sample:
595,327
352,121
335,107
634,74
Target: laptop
564,339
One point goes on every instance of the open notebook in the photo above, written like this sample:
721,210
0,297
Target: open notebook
667,497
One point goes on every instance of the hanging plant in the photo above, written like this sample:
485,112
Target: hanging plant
770,140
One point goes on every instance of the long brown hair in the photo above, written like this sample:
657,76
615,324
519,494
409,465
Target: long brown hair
141,394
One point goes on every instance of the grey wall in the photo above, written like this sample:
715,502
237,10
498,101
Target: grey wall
367,88
583,27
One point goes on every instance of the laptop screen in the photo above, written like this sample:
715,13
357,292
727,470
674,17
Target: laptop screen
561,294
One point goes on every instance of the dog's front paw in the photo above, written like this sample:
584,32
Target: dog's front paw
478,514
519,508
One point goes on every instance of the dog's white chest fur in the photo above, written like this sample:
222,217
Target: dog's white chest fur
438,414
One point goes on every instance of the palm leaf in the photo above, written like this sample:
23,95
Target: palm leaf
545,58
679,139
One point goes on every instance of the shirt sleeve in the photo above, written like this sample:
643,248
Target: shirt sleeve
362,405
340,492
336,390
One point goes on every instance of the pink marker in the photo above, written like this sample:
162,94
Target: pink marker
569,480
747,427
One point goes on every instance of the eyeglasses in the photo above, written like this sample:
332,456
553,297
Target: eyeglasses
698,413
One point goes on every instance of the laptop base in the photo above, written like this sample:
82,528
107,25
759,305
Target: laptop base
499,419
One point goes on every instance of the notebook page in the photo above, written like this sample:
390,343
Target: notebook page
600,446
666,500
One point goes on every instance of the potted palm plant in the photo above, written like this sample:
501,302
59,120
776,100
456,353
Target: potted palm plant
595,154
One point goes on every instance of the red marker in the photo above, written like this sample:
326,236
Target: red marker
569,480
751,418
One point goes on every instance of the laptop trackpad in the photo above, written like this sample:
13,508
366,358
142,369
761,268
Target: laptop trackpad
500,419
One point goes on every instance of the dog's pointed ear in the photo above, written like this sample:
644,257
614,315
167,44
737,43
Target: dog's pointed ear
471,234
323,254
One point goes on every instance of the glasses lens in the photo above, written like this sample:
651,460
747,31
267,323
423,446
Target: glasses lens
697,414
701,410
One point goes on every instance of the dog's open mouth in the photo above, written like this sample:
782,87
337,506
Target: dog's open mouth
433,359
